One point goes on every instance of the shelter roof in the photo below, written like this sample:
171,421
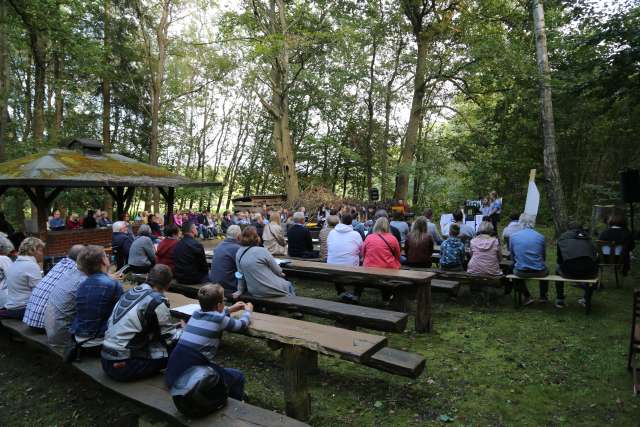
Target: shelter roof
88,167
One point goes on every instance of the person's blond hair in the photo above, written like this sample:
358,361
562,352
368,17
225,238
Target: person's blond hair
274,217
30,246
381,225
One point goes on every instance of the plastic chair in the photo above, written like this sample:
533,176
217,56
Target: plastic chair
610,254
634,342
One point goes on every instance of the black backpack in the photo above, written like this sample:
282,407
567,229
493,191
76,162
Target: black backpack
199,391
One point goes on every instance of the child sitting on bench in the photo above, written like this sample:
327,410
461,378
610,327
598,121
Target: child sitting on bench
452,251
200,339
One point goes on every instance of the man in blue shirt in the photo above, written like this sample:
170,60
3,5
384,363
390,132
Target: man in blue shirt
495,210
95,299
528,250
223,264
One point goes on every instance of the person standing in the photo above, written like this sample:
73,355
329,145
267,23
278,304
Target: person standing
496,210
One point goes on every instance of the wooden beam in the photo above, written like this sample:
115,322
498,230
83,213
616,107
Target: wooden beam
30,194
128,195
119,198
296,360
52,196
171,196
163,192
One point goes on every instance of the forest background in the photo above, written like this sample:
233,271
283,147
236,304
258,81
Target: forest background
271,96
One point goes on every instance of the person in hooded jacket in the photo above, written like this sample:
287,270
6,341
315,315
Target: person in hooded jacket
343,247
577,259
485,252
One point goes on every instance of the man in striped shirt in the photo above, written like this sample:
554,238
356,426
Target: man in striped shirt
200,339
60,273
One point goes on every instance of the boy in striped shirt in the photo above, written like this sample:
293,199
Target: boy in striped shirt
200,339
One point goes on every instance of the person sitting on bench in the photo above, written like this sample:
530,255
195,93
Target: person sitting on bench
273,236
380,249
431,227
419,244
121,241
140,331
22,277
165,252
6,248
61,306
467,232
528,250
343,248
618,232
513,227
452,251
95,298
191,262
201,337
142,253
61,272
300,243
223,264
323,236
485,252
258,272
577,259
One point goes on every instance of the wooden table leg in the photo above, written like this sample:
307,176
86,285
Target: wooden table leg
588,294
424,322
297,362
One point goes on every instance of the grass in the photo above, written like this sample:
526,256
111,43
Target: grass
487,364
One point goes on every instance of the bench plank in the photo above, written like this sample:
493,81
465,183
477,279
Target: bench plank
328,340
356,315
398,362
554,278
153,393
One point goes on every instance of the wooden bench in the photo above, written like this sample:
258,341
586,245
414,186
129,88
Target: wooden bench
591,285
301,342
152,392
400,282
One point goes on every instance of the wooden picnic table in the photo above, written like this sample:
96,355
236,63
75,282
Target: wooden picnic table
421,280
300,342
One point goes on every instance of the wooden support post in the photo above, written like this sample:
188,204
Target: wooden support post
128,196
169,196
424,321
297,361
119,198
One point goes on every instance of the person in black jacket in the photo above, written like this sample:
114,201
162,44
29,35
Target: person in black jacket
300,243
577,259
191,262
618,232
121,242
396,233
89,220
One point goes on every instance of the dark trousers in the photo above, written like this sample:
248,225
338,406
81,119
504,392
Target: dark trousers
7,313
530,274
133,369
309,254
234,379
139,269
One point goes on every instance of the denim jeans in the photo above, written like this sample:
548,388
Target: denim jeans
234,379
133,369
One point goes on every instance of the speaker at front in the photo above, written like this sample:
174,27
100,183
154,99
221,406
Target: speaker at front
630,185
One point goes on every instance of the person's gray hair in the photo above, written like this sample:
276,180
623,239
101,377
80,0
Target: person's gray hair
117,226
30,246
75,251
298,217
526,221
381,213
333,220
144,230
6,247
381,225
485,227
233,231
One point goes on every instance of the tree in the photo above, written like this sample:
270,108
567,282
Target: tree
4,78
428,19
551,170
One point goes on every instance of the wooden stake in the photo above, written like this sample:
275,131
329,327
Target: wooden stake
297,361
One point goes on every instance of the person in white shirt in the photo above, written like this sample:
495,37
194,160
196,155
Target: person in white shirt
344,245
513,227
6,247
23,275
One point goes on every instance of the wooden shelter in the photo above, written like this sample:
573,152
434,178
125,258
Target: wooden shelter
256,202
82,163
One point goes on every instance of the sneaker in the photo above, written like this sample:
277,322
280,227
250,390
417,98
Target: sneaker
582,302
528,301
348,297
560,303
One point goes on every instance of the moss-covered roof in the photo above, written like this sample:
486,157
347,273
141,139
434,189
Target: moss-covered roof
70,168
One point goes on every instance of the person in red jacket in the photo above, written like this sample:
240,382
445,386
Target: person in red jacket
381,248
164,253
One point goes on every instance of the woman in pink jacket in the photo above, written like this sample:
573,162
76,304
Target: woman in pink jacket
381,248
485,252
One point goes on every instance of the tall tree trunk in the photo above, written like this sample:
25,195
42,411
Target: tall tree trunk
58,66
106,84
370,110
28,100
38,47
4,80
384,141
551,169
276,25
415,118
